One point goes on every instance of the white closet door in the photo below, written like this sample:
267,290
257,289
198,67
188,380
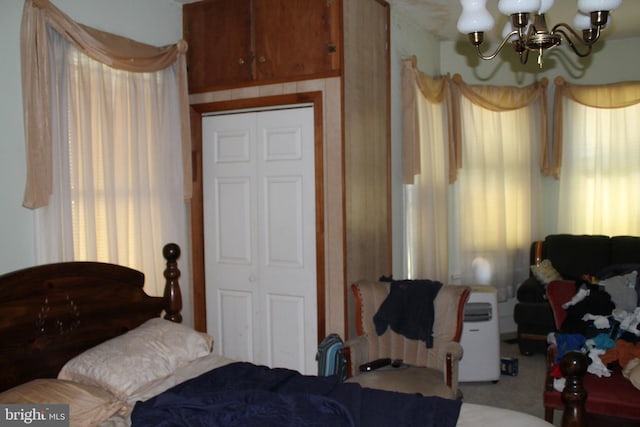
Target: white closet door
260,248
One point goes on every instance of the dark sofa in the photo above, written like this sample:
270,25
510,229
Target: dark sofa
572,256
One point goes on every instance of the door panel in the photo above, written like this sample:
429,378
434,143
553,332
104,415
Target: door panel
285,330
235,317
283,231
260,249
233,225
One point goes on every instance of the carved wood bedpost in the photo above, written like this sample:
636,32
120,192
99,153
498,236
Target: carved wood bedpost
172,295
574,366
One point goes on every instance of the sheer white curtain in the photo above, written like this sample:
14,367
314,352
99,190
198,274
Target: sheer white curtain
472,162
426,218
495,199
117,169
599,185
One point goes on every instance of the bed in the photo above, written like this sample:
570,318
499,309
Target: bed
86,334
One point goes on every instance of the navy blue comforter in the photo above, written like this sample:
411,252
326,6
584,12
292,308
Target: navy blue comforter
243,394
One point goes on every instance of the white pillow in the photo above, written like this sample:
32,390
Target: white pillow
123,364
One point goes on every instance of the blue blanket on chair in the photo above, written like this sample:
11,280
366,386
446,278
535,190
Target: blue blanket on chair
408,309
244,394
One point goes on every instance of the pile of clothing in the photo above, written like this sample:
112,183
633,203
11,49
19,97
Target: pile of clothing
603,324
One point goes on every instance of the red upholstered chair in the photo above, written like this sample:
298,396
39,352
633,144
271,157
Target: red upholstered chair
610,400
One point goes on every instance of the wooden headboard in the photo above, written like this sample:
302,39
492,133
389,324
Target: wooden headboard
51,313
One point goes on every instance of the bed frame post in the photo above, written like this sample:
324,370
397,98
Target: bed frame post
172,295
574,366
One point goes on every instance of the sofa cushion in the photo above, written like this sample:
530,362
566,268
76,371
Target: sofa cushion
573,255
625,250
534,314
531,291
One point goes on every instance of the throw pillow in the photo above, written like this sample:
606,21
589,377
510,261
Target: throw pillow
622,290
545,272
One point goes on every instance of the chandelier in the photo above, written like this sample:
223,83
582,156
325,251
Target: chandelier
528,32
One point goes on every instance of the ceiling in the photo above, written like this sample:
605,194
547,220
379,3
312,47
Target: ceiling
439,17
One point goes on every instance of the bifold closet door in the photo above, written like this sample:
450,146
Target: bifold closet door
260,249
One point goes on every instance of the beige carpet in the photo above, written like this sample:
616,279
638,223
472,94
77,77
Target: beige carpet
519,393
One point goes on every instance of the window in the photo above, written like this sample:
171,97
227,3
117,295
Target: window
118,178
600,178
489,138
494,198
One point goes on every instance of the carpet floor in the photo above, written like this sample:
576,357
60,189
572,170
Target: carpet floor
522,392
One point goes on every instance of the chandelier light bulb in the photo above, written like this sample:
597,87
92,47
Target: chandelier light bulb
588,6
582,21
545,5
475,17
510,7
508,28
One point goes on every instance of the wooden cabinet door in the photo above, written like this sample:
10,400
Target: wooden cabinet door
296,38
219,37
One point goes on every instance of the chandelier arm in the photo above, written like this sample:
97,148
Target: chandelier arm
572,44
497,51
592,40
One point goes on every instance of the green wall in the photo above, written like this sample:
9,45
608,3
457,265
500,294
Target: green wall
16,223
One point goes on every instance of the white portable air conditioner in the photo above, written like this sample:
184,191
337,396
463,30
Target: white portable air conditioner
480,337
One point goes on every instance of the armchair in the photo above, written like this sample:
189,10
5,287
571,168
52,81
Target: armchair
429,371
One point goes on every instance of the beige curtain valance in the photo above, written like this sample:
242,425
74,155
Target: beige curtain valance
448,90
502,98
435,90
115,51
615,95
